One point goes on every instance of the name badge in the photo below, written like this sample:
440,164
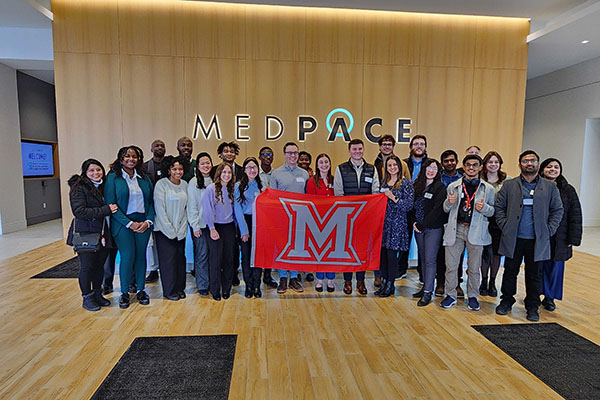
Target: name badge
428,195
462,195
300,179
368,179
527,202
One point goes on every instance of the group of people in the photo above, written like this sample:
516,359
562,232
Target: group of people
535,217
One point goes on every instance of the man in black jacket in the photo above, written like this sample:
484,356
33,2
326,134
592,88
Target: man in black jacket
152,166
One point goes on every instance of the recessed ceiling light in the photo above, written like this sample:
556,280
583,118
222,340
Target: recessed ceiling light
585,41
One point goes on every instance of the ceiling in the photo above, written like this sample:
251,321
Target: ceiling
557,26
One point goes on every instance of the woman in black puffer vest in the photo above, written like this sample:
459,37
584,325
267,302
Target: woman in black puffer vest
567,235
91,212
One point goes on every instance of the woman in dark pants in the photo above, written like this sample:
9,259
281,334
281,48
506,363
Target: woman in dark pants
430,193
217,210
91,211
131,189
170,205
244,195
567,235
400,193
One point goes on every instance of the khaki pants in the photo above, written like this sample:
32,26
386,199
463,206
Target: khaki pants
453,254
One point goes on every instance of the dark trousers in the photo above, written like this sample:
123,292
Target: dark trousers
428,242
388,263
360,276
171,262
91,270
220,259
440,275
524,249
109,268
251,275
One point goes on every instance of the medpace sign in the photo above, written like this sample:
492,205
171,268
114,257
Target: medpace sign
339,123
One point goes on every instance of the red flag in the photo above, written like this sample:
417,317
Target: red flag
305,232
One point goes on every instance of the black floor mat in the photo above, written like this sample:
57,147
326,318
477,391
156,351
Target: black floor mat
563,360
176,367
66,269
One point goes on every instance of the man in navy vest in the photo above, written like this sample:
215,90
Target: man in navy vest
355,177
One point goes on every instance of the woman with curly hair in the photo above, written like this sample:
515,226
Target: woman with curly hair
217,210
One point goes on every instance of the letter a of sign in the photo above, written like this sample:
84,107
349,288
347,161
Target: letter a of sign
313,239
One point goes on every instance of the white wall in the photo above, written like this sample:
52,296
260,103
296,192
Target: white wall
590,189
557,106
12,203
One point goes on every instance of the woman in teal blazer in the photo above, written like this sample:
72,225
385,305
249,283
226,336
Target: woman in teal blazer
130,189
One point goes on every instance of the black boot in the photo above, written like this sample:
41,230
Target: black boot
483,288
249,292
102,302
492,292
89,302
389,289
381,287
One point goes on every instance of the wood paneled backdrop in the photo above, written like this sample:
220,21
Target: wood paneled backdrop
128,72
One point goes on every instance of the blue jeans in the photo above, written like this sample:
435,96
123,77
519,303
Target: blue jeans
428,242
321,275
201,259
284,273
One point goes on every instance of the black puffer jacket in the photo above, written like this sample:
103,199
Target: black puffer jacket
89,209
570,229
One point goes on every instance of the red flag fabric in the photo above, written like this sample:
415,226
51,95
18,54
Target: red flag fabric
314,233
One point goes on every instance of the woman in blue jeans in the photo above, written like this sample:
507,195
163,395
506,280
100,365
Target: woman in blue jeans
430,194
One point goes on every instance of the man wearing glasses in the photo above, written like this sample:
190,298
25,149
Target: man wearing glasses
290,178
528,211
265,156
469,202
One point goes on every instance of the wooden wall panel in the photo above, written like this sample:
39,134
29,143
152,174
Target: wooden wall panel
88,110
496,116
215,30
274,88
214,86
150,27
445,98
447,40
390,92
86,27
330,86
392,38
276,33
334,35
152,99
501,43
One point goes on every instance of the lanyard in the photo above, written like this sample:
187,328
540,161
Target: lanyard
469,199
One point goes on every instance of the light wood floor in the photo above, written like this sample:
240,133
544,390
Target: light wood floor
299,346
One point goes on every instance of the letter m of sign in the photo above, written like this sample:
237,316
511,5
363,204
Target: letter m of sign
313,239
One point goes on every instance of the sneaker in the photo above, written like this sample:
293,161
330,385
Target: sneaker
448,302
282,288
143,298
152,277
533,315
473,304
459,292
89,302
124,300
426,299
503,308
439,291
296,286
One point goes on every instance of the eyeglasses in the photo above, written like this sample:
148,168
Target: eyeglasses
266,154
529,161
387,144
419,145
251,167
474,165
432,169
291,153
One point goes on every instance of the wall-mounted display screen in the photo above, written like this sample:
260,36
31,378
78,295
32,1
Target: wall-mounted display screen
37,159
